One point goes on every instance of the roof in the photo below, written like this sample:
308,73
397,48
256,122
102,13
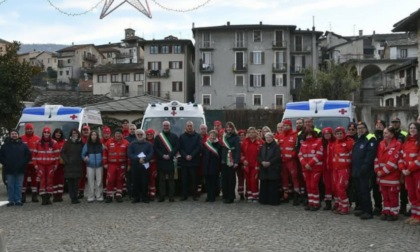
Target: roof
409,23
117,68
69,98
402,42
243,26
74,48
4,41
404,65
130,104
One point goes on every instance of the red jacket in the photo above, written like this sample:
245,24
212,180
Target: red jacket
341,153
47,153
249,151
30,141
410,155
311,152
327,161
115,152
287,142
386,162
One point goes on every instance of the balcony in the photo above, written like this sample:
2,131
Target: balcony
279,67
239,68
206,45
279,44
150,73
90,58
60,64
206,68
124,55
297,70
240,45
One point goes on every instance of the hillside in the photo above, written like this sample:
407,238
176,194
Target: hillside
24,48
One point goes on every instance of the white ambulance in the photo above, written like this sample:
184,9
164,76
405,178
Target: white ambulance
58,116
177,113
325,113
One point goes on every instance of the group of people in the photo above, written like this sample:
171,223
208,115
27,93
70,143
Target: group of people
287,165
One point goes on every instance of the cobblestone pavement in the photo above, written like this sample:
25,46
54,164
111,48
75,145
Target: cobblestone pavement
195,226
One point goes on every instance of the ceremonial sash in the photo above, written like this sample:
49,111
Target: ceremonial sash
229,158
165,142
211,148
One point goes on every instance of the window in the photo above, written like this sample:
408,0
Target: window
278,100
61,73
298,83
125,77
389,102
153,88
48,60
69,61
206,40
206,99
278,38
114,78
298,63
240,101
239,80
257,36
206,59
101,78
257,80
403,53
240,39
257,99
298,43
175,64
154,49
138,77
257,58
206,81
165,49
67,72
177,49
177,86
154,65
278,80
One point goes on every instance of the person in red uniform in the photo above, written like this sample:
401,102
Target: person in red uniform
106,135
240,173
287,141
82,181
58,135
328,140
341,168
115,160
409,165
150,137
46,162
30,139
310,157
249,149
388,174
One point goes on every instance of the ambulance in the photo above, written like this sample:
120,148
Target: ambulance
177,113
58,116
325,113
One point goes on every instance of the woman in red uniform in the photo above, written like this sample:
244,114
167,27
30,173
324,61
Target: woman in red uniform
328,145
58,136
310,157
388,174
409,165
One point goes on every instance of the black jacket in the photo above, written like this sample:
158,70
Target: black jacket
235,145
211,161
14,155
135,148
72,157
269,152
160,150
363,156
190,144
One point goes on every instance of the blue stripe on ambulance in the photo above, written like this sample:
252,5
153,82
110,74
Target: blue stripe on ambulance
68,111
298,106
336,105
34,111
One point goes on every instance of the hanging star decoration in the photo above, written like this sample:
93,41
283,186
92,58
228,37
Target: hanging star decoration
135,3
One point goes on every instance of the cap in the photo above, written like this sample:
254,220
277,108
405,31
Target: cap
339,128
118,131
46,129
29,126
241,132
217,123
106,130
287,122
381,122
395,119
150,131
327,130
85,127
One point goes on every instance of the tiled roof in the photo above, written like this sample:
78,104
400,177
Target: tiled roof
402,42
69,98
136,103
409,23
117,68
4,41
74,48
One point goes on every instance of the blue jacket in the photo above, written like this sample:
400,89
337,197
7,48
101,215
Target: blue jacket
94,152
14,155
363,156
135,148
190,144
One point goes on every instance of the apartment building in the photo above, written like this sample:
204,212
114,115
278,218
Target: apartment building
251,66
169,66
43,59
3,44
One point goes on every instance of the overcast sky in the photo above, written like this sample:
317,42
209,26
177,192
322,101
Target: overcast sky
36,21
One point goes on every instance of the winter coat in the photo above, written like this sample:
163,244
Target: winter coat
31,141
190,144
235,148
166,165
46,153
94,153
14,155
410,159
72,157
386,162
115,152
130,138
211,158
363,156
135,148
269,152
287,142
342,149
312,153
250,150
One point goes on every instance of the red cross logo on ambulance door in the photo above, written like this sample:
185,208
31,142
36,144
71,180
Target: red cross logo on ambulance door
173,113
73,117
342,111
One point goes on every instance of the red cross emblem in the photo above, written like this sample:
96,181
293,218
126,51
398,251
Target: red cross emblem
73,117
342,111
173,113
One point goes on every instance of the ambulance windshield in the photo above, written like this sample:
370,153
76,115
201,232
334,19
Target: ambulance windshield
177,123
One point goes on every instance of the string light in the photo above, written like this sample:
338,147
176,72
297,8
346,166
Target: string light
75,14
181,10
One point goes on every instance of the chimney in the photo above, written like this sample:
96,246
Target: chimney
360,32
228,23
373,32
193,25
260,22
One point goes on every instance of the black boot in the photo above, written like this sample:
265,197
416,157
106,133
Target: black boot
23,200
35,197
327,205
81,195
403,209
296,199
49,199
44,200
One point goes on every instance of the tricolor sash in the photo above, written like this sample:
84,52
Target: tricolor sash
229,158
166,142
211,148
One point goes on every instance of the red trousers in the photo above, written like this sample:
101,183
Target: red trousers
412,184
115,179
312,181
390,199
82,180
30,173
290,171
327,176
340,182
46,179
241,179
251,175
59,180
152,179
